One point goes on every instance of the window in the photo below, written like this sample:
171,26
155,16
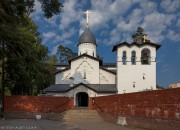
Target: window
124,58
133,57
134,84
93,54
145,57
84,74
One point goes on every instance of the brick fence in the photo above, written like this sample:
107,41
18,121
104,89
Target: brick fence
29,106
153,109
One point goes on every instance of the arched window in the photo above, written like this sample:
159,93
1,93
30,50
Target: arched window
145,57
124,58
133,57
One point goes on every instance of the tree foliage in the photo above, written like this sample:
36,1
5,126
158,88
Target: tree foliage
65,54
27,64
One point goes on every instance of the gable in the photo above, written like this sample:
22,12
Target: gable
135,44
87,56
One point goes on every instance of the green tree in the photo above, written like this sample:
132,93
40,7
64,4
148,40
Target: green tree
65,54
26,60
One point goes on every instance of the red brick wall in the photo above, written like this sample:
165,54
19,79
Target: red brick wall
37,104
159,105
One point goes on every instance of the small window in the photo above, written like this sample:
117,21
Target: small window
124,58
133,57
84,74
134,84
144,77
93,54
145,57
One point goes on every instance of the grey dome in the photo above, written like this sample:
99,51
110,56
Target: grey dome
87,37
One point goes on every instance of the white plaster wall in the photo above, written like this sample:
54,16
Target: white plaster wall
106,77
128,74
88,48
63,77
104,94
60,67
90,66
111,68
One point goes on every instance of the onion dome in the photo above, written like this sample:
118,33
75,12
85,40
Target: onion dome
87,37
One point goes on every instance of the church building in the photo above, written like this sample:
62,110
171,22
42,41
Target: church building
88,76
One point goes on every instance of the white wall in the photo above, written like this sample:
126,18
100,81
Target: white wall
107,77
129,74
87,65
79,68
88,48
63,77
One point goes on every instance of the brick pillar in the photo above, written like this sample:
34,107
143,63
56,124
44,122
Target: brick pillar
71,103
91,105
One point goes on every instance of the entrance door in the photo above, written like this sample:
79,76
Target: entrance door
82,99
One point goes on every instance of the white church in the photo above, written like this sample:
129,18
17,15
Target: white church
87,76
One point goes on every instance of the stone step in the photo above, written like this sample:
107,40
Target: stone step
80,114
82,117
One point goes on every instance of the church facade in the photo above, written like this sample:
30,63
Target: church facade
87,76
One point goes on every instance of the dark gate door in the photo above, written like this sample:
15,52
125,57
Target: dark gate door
82,99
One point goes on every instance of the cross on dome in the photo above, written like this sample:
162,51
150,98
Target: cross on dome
87,19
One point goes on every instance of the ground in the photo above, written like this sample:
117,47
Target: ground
31,124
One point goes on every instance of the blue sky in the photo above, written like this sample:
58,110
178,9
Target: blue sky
114,21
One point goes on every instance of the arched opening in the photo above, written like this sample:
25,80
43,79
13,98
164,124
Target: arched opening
133,57
124,57
145,57
82,99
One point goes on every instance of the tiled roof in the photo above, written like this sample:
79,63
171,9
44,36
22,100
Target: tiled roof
99,88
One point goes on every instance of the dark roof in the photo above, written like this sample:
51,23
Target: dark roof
91,57
109,65
62,64
58,71
87,37
99,88
135,44
111,71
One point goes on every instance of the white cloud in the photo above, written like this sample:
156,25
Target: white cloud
173,36
47,36
70,13
37,8
134,19
178,23
170,5
114,20
54,50
155,24
53,20
63,38
148,6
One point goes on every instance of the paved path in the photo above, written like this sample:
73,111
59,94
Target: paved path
30,124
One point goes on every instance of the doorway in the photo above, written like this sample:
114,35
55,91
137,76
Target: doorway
82,99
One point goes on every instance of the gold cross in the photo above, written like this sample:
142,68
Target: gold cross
87,20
